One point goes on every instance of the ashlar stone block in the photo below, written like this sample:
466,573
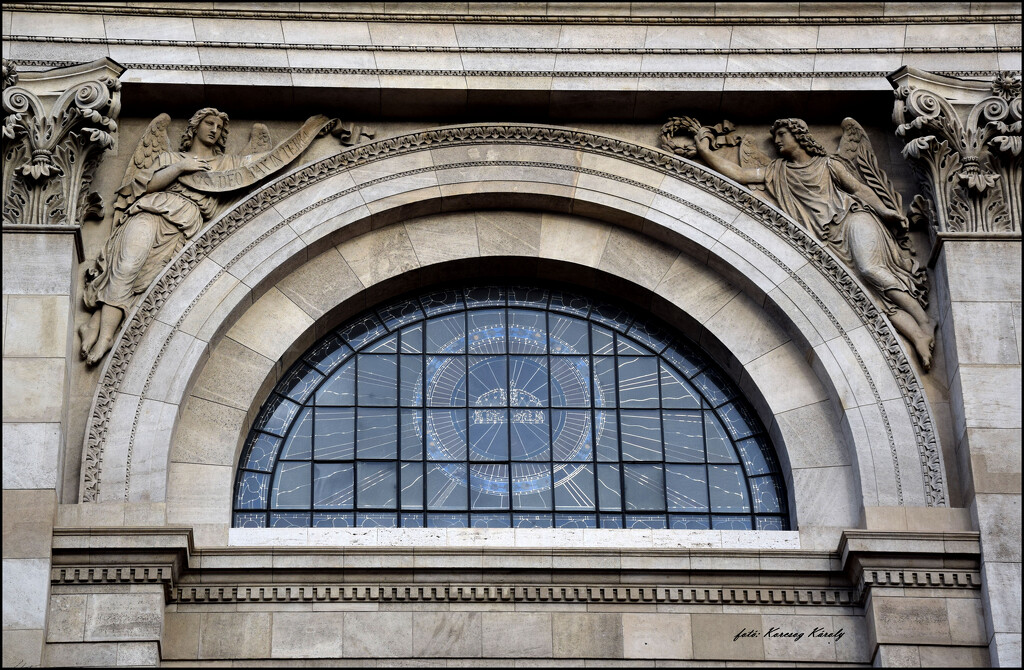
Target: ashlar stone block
26,583
28,522
727,636
586,635
909,620
22,648
235,635
307,635
656,636
516,634
124,616
447,634
33,388
37,326
378,634
67,618
30,455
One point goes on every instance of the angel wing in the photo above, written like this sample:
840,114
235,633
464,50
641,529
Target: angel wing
154,142
260,140
856,151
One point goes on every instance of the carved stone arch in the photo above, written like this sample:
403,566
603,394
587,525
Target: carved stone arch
238,259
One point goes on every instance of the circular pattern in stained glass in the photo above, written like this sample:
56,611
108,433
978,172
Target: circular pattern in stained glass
507,406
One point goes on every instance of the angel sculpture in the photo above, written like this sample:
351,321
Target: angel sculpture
844,199
165,199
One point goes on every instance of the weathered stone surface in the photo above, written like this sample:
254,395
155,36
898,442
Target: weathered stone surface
37,264
516,634
232,373
36,326
26,584
378,634
307,635
231,635
66,621
33,389
83,654
208,432
713,636
656,636
579,635
31,453
117,616
28,522
909,621
447,634
320,284
271,325
22,648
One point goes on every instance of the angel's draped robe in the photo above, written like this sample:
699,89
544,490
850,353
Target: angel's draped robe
154,228
813,195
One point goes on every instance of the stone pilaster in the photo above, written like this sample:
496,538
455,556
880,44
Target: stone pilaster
56,124
964,140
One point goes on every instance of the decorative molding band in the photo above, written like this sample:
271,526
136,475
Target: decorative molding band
930,579
610,51
121,574
137,323
405,72
202,13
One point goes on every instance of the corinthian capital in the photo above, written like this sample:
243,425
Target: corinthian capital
964,140
56,124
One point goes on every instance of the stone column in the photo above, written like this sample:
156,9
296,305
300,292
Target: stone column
964,140
56,124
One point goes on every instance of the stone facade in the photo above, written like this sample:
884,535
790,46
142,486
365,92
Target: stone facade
489,140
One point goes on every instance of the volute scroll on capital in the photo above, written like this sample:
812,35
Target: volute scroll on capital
56,125
843,198
166,197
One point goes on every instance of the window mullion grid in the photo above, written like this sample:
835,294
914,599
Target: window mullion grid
661,427
618,428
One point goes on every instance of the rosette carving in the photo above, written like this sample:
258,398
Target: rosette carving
52,141
970,164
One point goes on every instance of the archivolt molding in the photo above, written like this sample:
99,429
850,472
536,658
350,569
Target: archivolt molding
139,321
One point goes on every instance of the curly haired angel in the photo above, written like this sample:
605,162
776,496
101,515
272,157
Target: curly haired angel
162,203
825,194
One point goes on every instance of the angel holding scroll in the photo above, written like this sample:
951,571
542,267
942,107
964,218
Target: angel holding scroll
827,194
165,199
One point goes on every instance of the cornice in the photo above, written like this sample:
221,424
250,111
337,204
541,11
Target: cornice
394,17
531,50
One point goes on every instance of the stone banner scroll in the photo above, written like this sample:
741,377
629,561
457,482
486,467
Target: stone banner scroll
263,165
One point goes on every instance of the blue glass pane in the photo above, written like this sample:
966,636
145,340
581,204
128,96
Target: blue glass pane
447,486
683,359
289,520
575,521
448,520
684,436
644,487
333,520
442,302
250,520
299,443
488,487
606,435
300,382
411,381
735,421
766,495
376,520
412,486
604,382
611,521
527,332
291,486
486,331
377,380
399,314
602,341
641,435
376,485
335,433
720,449
252,491
609,487
528,296
485,295
488,381
361,332
570,381
530,434
528,381
770,523
689,521
645,521
333,485
752,453
532,521
531,486
570,303
570,430
574,487
676,393
713,386
327,354
412,339
488,434
612,316
376,433
262,450
627,347
447,334
638,381
731,523
650,335
445,381
489,520
568,335
340,389
446,435
412,520
686,488
411,434
277,415
388,345
728,489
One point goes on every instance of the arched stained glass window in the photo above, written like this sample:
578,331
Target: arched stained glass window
507,406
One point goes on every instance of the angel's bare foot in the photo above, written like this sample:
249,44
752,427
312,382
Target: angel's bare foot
99,350
89,331
925,346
